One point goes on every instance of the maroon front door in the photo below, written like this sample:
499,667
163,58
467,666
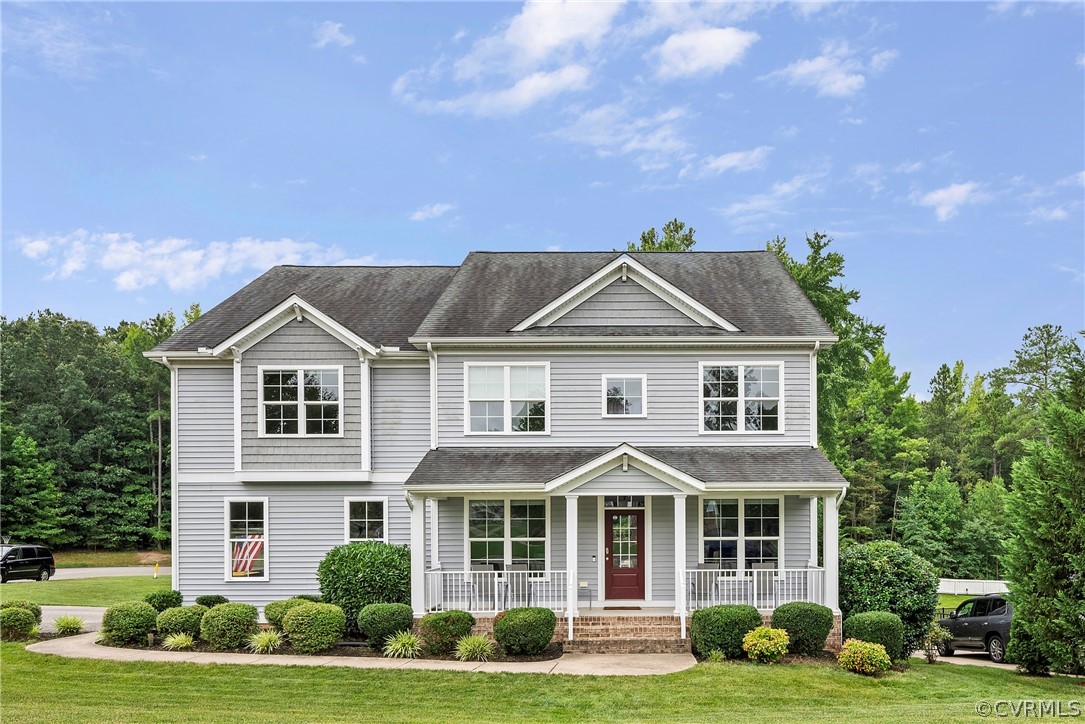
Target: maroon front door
623,558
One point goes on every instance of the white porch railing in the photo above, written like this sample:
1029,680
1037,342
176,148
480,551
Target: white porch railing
492,591
764,589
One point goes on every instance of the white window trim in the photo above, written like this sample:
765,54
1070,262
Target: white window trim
507,410
507,499
741,527
228,549
643,395
741,365
346,516
260,432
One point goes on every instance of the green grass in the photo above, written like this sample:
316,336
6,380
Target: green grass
46,688
87,559
951,601
85,591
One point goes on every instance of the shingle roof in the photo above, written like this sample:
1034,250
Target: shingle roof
382,305
715,464
494,291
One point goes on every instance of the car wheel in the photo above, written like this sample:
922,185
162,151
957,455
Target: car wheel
996,649
3,578
43,574
944,649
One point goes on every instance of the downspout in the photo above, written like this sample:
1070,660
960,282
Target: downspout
432,395
174,485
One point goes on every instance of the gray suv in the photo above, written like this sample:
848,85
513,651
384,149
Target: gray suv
980,624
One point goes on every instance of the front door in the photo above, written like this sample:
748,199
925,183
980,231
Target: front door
623,559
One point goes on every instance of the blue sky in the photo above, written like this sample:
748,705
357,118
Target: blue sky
158,154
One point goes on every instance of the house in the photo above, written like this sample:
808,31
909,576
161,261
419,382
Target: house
585,431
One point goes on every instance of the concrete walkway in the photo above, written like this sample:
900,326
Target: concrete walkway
83,647
969,658
91,615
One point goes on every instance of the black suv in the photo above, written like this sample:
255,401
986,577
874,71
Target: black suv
32,562
981,624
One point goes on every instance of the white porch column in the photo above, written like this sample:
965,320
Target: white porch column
813,531
680,559
831,552
418,555
570,560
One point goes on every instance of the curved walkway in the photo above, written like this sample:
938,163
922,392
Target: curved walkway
83,647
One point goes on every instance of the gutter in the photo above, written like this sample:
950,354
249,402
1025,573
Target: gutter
699,341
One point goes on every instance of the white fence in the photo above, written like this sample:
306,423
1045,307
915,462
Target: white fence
971,586
764,589
491,591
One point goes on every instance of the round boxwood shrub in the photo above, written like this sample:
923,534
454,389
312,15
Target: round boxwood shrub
863,657
210,601
180,619
877,627
442,630
16,624
380,621
161,600
885,576
35,609
721,628
310,597
229,625
128,622
525,631
765,645
807,626
275,610
314,627
355,575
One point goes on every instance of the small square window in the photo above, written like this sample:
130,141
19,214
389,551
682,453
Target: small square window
624,396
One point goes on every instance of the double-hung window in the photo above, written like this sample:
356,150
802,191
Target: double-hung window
507,532
507,398
741,533
300,402
246,539
741,397
625,396
366,519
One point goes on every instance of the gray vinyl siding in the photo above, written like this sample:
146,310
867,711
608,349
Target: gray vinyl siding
662,527
400,416
453,533
305,521
587,546
796,532
674,414
629,482
623,304
205,419
297,344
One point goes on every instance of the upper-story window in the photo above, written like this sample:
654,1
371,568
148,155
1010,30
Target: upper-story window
507,398
301,402
625,396
741,397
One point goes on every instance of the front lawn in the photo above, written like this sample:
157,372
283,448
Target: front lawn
87,559
47,688
85,591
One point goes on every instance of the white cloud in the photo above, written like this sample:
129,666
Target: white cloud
296,182
431,211
460,35
909,167
653,140
702,51
359,59
771,204
739,161
680,16
522,95
808,8
329,33
1049,213
1077,275
1076,179
201,156
180,264
1081,60
947,201
72,43
555,247
869,174
838,72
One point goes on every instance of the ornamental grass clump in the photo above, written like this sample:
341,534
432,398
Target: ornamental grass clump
68,625
265,642
765,645
863,657
404,645
179,642
475,647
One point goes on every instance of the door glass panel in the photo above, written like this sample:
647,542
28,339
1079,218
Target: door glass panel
623,532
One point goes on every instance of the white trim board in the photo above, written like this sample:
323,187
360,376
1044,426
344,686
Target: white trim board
292,308
347,500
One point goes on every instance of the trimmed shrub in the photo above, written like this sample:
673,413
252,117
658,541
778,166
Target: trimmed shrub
356,575
525,631
210,601
35,609
180,619
16,624
765,645
69,625
161,600
229,625
1025,651
403,645
178,642
885,576
314,627
310,597
265,642
128,622
474,648
441,631
878,627
863,657
807,626
275,610
721,628
380,621
934,642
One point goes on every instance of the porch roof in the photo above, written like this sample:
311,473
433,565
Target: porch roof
730,465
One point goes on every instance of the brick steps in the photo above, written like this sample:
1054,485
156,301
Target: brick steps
627,646
627,635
